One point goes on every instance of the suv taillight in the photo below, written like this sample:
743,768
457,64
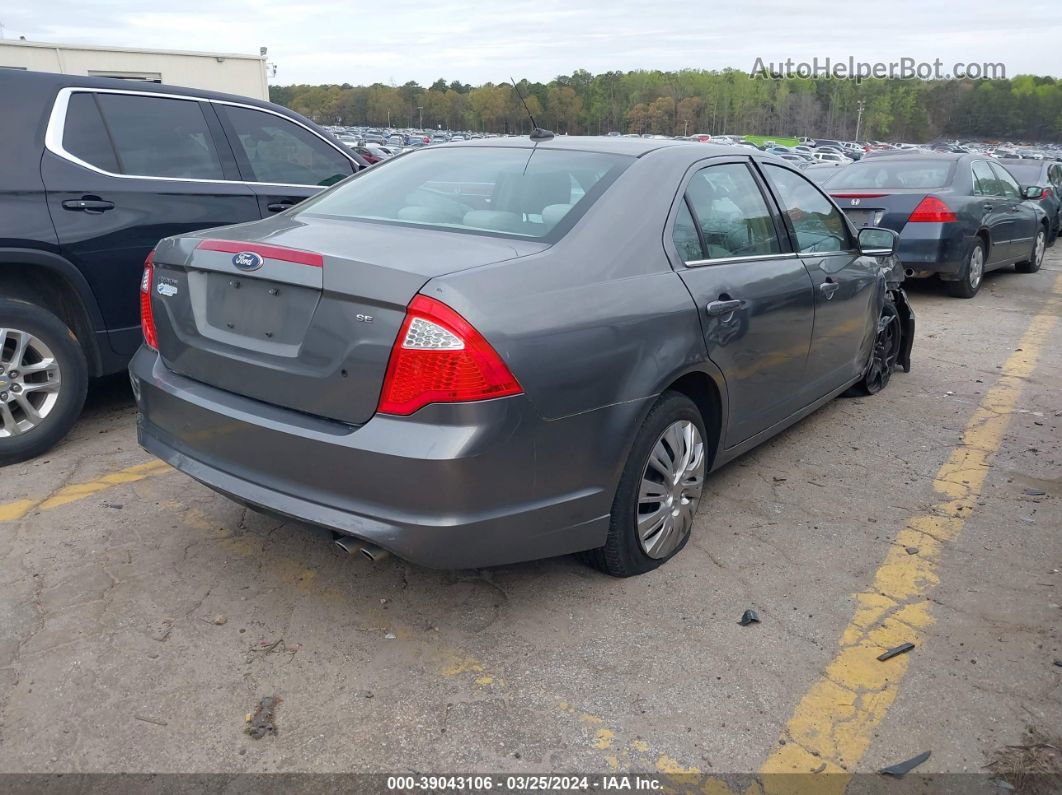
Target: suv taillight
932,209
147,317
438,357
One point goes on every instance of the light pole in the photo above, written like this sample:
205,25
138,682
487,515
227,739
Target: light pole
420,109
859,117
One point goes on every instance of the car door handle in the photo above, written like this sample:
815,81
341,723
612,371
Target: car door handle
277,207
88,204
989,207
828,288
716,308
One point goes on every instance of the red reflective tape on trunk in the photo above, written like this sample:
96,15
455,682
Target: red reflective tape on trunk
271,252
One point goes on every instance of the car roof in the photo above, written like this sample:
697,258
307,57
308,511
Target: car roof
604,144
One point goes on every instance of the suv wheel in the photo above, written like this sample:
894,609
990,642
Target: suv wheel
1036,259
973,273
659,491
43,380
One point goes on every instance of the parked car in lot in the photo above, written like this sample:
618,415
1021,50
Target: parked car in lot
1047,176
455,356
958,215
92,173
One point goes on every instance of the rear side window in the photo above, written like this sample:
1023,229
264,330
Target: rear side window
984,180
687,241
819,226
730,213
281,152
84,135
159,137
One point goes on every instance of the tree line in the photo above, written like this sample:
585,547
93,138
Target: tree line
1024,108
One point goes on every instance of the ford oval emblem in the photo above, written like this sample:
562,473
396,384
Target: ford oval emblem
248,261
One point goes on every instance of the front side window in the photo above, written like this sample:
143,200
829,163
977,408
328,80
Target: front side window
731,213
160,137
520,192
819,226
281,152
1008,186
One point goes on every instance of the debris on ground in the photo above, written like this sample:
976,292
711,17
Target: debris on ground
146,719
278,645
820,768
749,617
912,550
363,693
263,720
1035,493
390,636
1032,768
901,769
894,651
219,619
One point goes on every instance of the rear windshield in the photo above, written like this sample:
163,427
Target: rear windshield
895,174
518,192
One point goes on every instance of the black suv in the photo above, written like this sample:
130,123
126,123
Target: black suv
93,172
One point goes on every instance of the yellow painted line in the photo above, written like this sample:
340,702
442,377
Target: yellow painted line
835,720
77,491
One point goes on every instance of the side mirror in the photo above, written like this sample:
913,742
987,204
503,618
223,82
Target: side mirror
1032,192
877,242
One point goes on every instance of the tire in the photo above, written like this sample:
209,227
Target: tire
674,422
1036,258
973,273
31,387
884,355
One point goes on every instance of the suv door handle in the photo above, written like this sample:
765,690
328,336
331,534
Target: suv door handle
716,308
88,204
989,207
277,207
828,288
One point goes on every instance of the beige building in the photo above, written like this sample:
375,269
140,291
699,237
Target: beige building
215,71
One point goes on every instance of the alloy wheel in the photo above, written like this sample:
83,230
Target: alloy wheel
671,486
29,382
1039,250
976,271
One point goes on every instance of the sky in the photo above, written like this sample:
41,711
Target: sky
346,41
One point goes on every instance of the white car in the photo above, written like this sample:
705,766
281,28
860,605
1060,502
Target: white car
831,158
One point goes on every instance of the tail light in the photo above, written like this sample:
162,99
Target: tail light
439,357
932,208
147,317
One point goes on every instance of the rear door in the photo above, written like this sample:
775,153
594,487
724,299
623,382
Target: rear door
997,217
124,169
846,284
753,294
283,161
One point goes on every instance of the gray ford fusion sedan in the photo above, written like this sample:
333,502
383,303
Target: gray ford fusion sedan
509,349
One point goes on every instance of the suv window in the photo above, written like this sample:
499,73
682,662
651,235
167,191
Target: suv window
984,180
819,225
84,135
731,213
160,137
281,152
1007,186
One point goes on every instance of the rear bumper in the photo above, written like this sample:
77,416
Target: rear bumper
929,248
449,487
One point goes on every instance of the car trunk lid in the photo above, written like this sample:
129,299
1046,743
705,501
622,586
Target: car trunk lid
889,209
306,320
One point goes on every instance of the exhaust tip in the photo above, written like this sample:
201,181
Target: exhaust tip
373,552
909,272
352,545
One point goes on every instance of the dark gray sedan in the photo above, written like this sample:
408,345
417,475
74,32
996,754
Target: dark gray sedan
503,350
958,215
